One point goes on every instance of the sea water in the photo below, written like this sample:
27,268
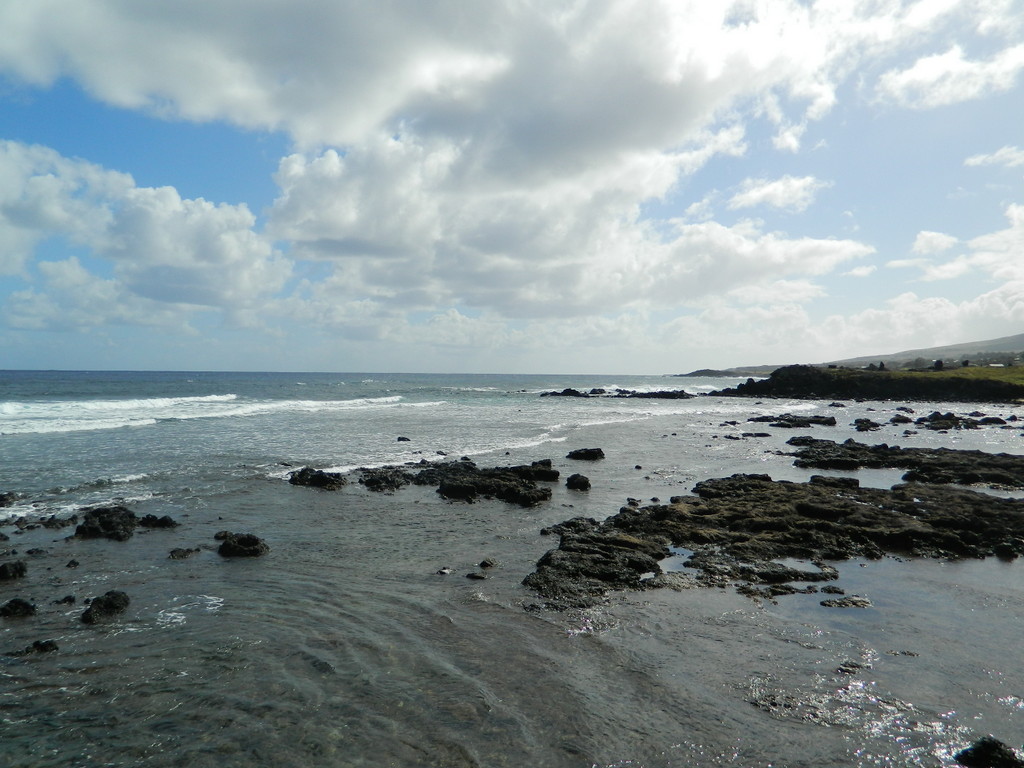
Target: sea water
344,646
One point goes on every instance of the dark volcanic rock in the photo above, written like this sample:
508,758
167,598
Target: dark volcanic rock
7,498
384,479
38,646
152,521
317,478
663,394
926,465
988,752
586,454
17,608
243,545
789,421
738,525
180,553
567,392
866,425
578,482
588,564
116,522
105,607
464,481
806,381
13,570
945,421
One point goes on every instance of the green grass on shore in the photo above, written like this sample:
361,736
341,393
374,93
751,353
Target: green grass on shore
1010,375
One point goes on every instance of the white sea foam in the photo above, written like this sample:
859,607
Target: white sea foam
45,416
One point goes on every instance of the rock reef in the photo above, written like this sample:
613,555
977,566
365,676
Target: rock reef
737,527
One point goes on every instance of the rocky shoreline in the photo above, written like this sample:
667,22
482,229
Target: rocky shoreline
810,382
763,537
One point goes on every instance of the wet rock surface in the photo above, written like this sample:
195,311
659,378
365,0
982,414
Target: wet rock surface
317,478
17,608
105,607
988,752
736,527
789,421
464,481
926,465
242,545
13,570
664,394
115,522
585,454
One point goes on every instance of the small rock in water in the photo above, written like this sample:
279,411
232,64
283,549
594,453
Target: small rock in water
475,575
488,563
17,608
445,571
15,570
38,646
988,752
317,478
105,607
577,482
116,522
180,553
243,545
152,521
851,601
586,454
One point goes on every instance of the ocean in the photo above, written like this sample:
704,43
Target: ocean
345,646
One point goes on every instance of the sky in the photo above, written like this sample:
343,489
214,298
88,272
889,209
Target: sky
511,186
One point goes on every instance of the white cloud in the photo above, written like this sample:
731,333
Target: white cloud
1009,156
1001,254
928,243
483,165
442,236
950,77
158,246
793,193
862,271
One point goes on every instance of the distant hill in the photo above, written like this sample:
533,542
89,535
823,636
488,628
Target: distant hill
965,351
976,351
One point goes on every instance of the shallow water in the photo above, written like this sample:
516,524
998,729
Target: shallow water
345,647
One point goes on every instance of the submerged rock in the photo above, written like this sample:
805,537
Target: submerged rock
17,608
152,521
243,545
105,607
38,646
578,482
13,570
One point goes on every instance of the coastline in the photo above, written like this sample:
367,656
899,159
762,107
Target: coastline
769,670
